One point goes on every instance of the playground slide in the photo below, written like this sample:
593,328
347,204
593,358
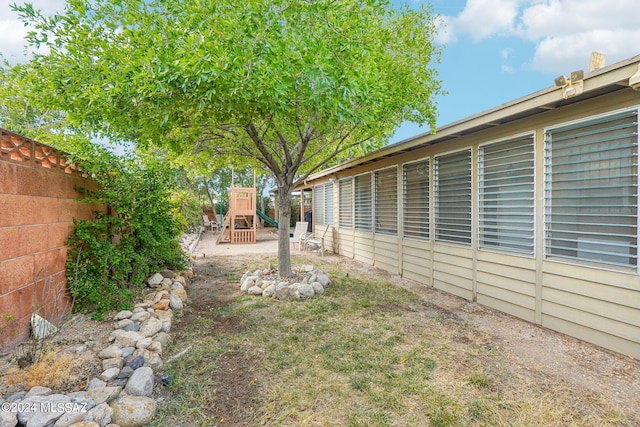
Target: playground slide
266,218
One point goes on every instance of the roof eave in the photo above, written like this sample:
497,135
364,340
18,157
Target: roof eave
597,83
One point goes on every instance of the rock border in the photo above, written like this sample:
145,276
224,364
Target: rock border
307,282
121,396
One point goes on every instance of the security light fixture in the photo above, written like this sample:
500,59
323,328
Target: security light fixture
560,81
572,85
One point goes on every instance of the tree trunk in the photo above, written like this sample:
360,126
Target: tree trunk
284,216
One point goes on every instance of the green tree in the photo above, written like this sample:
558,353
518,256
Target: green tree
288,84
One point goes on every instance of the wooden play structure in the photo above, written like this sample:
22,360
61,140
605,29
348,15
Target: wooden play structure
239,224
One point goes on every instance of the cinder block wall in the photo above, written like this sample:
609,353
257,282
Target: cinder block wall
37,208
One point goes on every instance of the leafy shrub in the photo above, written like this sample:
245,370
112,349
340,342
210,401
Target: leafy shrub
110,256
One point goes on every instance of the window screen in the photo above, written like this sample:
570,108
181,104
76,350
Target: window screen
345,188
416,199
362,202
318,204
453,197
591,197
386,210
506,211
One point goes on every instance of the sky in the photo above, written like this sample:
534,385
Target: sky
495,51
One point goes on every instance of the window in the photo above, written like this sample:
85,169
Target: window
362,202
318,204
591,194
328,203
416,199
506,211
453,197
386,210
323,204
345,215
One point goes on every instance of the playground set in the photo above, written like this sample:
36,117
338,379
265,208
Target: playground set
240,223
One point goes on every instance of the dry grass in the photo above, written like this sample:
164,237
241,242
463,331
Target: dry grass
368,353
56,369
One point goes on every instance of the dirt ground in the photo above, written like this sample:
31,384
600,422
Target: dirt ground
540,353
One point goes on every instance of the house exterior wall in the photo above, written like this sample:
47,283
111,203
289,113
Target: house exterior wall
595,302
37,208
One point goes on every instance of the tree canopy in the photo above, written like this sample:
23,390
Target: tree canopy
289,84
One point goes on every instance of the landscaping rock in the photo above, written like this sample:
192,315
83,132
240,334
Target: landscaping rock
133,411
162,337
306,283
85,424
136,361
8,419
128,339
269,291
155,280
144,343
70,418
16,396
115,362
166,317
38,391
130,363
127,351
135,327
109,374
169,274
95,383
155,347
32,416
125,373
306,290
122,315
151,359
150,327
121,324
317,288
175,302
104,394
101,414
140,383
254,290
140,316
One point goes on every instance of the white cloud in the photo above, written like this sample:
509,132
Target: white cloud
565,53
567,31
562,32
484,18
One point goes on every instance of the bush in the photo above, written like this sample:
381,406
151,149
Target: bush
110,256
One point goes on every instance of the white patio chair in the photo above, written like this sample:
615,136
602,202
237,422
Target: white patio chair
317,240
299,234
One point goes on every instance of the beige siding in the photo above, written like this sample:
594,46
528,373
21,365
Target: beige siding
416,260
578,301
345,242
452,270
363,246
386,252
507,283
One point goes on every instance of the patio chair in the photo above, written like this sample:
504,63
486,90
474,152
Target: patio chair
207,223
317,240
299,234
